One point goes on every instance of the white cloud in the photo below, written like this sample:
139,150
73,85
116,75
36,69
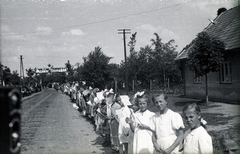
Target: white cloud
77,32
44,30
7,34
5,28
147,27
164,34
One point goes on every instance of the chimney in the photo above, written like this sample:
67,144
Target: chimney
220,10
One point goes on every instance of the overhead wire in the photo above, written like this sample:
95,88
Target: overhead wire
97,22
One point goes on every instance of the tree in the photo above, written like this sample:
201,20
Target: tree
132,42
95,68
145,71
15,79
163,57
113,70
6,75
205,56
30,72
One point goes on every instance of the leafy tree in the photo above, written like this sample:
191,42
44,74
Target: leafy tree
10,78
157,43
15,79
95,68
113,70
205,56
132,42
30,72
152,64
6,75
163,56
145,72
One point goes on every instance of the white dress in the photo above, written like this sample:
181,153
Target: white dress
142,140
123,128
166,126
197,141
125,133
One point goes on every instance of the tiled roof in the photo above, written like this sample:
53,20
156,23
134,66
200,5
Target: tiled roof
226,27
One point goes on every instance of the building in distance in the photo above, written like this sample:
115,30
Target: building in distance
51,70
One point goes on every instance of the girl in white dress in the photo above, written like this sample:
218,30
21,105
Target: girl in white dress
125,133
196,138
167,126
139,122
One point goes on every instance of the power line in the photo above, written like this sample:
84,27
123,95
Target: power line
97,22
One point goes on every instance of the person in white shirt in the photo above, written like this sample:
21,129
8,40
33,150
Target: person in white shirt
196,138
167,126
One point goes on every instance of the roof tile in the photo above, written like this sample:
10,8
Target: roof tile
226,27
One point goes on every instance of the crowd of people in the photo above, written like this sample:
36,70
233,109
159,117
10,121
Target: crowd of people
127,125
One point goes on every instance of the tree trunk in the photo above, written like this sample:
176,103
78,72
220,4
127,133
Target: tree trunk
206,90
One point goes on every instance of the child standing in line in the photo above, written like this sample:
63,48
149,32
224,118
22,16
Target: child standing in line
140,122
125,133
114,125
167,126
106,110
196,139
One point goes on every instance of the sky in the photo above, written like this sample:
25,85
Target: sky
55,31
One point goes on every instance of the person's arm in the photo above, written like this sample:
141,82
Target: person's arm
176,142
154,140
143,126
131,123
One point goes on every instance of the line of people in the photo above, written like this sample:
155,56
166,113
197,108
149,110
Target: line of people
129,127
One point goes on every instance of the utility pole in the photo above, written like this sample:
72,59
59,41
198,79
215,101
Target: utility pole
1,74
125,31
21,71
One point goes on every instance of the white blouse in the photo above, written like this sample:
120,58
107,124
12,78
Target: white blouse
197,141
166,127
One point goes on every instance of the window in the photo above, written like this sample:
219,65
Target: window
197,79
226,72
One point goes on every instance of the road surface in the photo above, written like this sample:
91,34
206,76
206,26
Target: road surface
50,124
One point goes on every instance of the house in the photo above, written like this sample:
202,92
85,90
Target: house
225,84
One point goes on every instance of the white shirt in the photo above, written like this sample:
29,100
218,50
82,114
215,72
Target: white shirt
197,141
166,126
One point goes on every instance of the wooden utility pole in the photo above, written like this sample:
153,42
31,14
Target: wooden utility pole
125,31
21,71
1,74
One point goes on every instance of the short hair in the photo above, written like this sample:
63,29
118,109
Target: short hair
191,106
197,111
158,95
144,96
